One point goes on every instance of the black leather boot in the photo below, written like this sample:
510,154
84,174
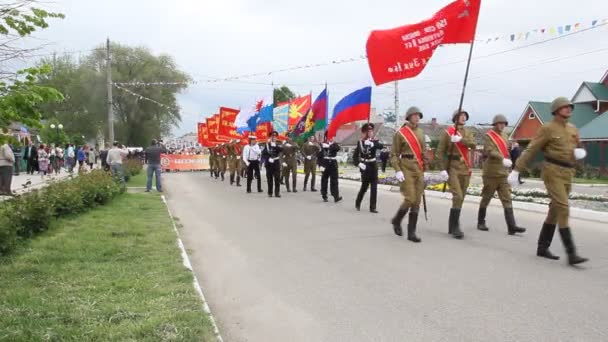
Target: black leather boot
231,179
511,225
454,223
305,182
573,258
544,241
396,221
238,180
411,227
481,219
294,187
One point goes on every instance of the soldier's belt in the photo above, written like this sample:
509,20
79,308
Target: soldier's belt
559,163
406,156
373,160
454,158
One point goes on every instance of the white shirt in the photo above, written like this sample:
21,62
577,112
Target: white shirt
252,152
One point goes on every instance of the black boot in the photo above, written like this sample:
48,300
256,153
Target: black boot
454,223
357,205
396,221
294,187
305,182
573,258
511,225
238,180
544,241
231,179
481,219
411,227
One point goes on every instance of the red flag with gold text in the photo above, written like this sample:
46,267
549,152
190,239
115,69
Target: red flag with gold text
227,129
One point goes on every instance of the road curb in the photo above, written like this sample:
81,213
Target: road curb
188,265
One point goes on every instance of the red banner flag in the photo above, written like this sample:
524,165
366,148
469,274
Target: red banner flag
403,52
262,132
203,134
213,125
297,109
227,129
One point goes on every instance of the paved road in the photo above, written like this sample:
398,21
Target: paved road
296,269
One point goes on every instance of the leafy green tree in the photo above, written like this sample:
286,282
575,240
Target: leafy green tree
283,94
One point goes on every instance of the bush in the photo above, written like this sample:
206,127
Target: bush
132,167
32,213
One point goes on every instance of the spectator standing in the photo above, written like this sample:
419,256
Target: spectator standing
59,156
153,153
71,158
384,156
91,158
81,157
31,157
114,160
7,158
103,155
43,161
18,153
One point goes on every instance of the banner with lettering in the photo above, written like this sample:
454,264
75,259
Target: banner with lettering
227,129
182,162
203,134
403,52
263,130
213,126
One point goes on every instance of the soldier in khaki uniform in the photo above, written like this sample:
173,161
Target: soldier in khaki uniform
222,156
453,149
234,158
310,150
408,159
496,166
559,141
289,163
212,161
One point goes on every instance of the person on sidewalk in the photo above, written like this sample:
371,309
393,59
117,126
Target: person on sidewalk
310,150
289,163
31,157
408,159
251,158
453,149
114,159
91,158
103,155
71,158
561,146
272,155
43,161
495,172
153,153
365,159
81,156
7,158
17,152
329,167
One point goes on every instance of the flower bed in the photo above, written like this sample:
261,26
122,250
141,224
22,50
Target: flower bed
29,214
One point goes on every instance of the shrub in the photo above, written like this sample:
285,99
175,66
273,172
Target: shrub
31,214
132,167
65,197
8,230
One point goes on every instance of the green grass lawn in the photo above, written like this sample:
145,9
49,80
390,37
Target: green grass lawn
139,181
112,274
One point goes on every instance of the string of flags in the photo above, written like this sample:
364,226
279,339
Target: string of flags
546,31
141,97
550,31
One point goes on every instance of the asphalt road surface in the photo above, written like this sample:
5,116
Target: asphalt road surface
297,269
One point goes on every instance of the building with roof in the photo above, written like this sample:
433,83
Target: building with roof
590,116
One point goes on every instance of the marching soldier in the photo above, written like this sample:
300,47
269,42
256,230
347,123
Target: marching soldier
560,143
251,159
365,158
329,167
290,163
454,150
234,158
310,150
272,154
212,161
408,159
223,159
495,171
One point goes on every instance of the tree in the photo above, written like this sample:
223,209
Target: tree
141,113
283,94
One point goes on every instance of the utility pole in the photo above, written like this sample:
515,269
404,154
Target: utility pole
397,115
109,85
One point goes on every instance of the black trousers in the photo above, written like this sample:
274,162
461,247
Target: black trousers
330,174
384,162
254,166
369,177
6,176
32,166
273,177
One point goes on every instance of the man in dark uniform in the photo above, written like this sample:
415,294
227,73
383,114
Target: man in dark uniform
384,157
495,171
272,155
560,143
329,167
365,158
289,163
310,150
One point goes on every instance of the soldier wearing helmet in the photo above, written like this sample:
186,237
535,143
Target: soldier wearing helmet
559,141
365,158
408,158
453,151
496,167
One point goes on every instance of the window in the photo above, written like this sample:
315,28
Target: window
531,116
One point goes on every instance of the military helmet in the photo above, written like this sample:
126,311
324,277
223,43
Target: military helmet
413,110
559,103
367,126
457,112
500,119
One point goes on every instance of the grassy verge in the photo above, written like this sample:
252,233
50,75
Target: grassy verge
112,274
139,180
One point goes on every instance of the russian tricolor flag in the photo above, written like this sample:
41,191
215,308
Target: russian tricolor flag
354,107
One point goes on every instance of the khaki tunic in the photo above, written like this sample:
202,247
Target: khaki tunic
557,140
288,156
413,186
310,150
495,174
459,172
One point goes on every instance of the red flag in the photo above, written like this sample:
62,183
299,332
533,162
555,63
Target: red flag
403,52
227,129
203,134
297,109
263,130
213,125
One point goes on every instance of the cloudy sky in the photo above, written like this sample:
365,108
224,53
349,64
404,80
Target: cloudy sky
221,38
